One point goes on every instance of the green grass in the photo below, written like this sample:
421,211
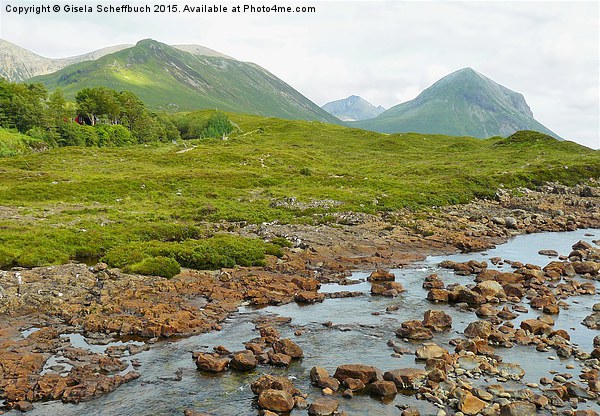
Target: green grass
13,143
75,202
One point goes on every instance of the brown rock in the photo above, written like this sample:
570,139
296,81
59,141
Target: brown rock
276,400
585,267
317,374
365,373
430,350
211,363
437,320
414,330
406,378
309,297
279,360
471,405
243,361
536,327
437,295
323,406
267,381
383,388
518,409
288,347
354,384
380,275
479,329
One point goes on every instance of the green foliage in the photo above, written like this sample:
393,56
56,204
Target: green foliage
13,143
282,242
218,125
155,266
211,253
134,202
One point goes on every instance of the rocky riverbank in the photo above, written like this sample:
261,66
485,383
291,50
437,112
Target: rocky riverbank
105,305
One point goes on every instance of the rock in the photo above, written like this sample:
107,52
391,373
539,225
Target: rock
592,321
536,327
437,295
510,371
511,223
549,253
329,383
551,309
489,288
381,275
411,411
288,347
354,384
581,245
365,373
406,378
437,320
585,267
414,330
211,363
430,350
519,408
309,297
267,381
276,400
486,311
279,359
269,333
317,374
479,329
323,406
383,388
471,405
243,361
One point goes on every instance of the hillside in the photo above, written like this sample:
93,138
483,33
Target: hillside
20,64
353,108
273,169
168,78
464,103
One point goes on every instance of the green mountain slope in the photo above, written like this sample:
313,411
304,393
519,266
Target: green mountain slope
168,78
464,103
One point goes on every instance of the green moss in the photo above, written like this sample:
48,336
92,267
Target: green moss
155,266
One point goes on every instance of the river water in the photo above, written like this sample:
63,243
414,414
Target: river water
356,336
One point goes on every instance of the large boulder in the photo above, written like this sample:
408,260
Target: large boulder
323,406
211,362
536,327
489,288
243,361
414,330
267,381
279,401
383,388
437,320
430,350
471,405
520,408
381,275
365,373
479,329
586,267
406,378
288,347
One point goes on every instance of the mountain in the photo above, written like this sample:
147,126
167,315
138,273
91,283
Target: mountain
19,64
353,108
164,77
464,103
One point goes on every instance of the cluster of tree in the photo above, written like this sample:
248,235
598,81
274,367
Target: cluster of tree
99,116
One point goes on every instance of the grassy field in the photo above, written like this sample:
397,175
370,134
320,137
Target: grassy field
75,202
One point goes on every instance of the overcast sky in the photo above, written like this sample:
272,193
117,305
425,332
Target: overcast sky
386,52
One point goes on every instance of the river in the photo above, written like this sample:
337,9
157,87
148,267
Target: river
356,336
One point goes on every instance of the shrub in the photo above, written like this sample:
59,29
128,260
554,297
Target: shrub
155,266
218,125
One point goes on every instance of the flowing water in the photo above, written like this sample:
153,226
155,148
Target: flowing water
356,336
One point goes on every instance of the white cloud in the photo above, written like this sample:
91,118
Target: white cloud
384,51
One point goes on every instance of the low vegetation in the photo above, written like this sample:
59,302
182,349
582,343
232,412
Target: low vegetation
147,207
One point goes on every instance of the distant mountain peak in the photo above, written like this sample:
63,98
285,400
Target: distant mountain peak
353,108
463,103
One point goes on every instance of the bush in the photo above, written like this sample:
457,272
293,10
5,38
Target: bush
208,254
218,125
155,266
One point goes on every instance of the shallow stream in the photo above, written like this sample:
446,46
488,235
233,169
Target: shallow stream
356,336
